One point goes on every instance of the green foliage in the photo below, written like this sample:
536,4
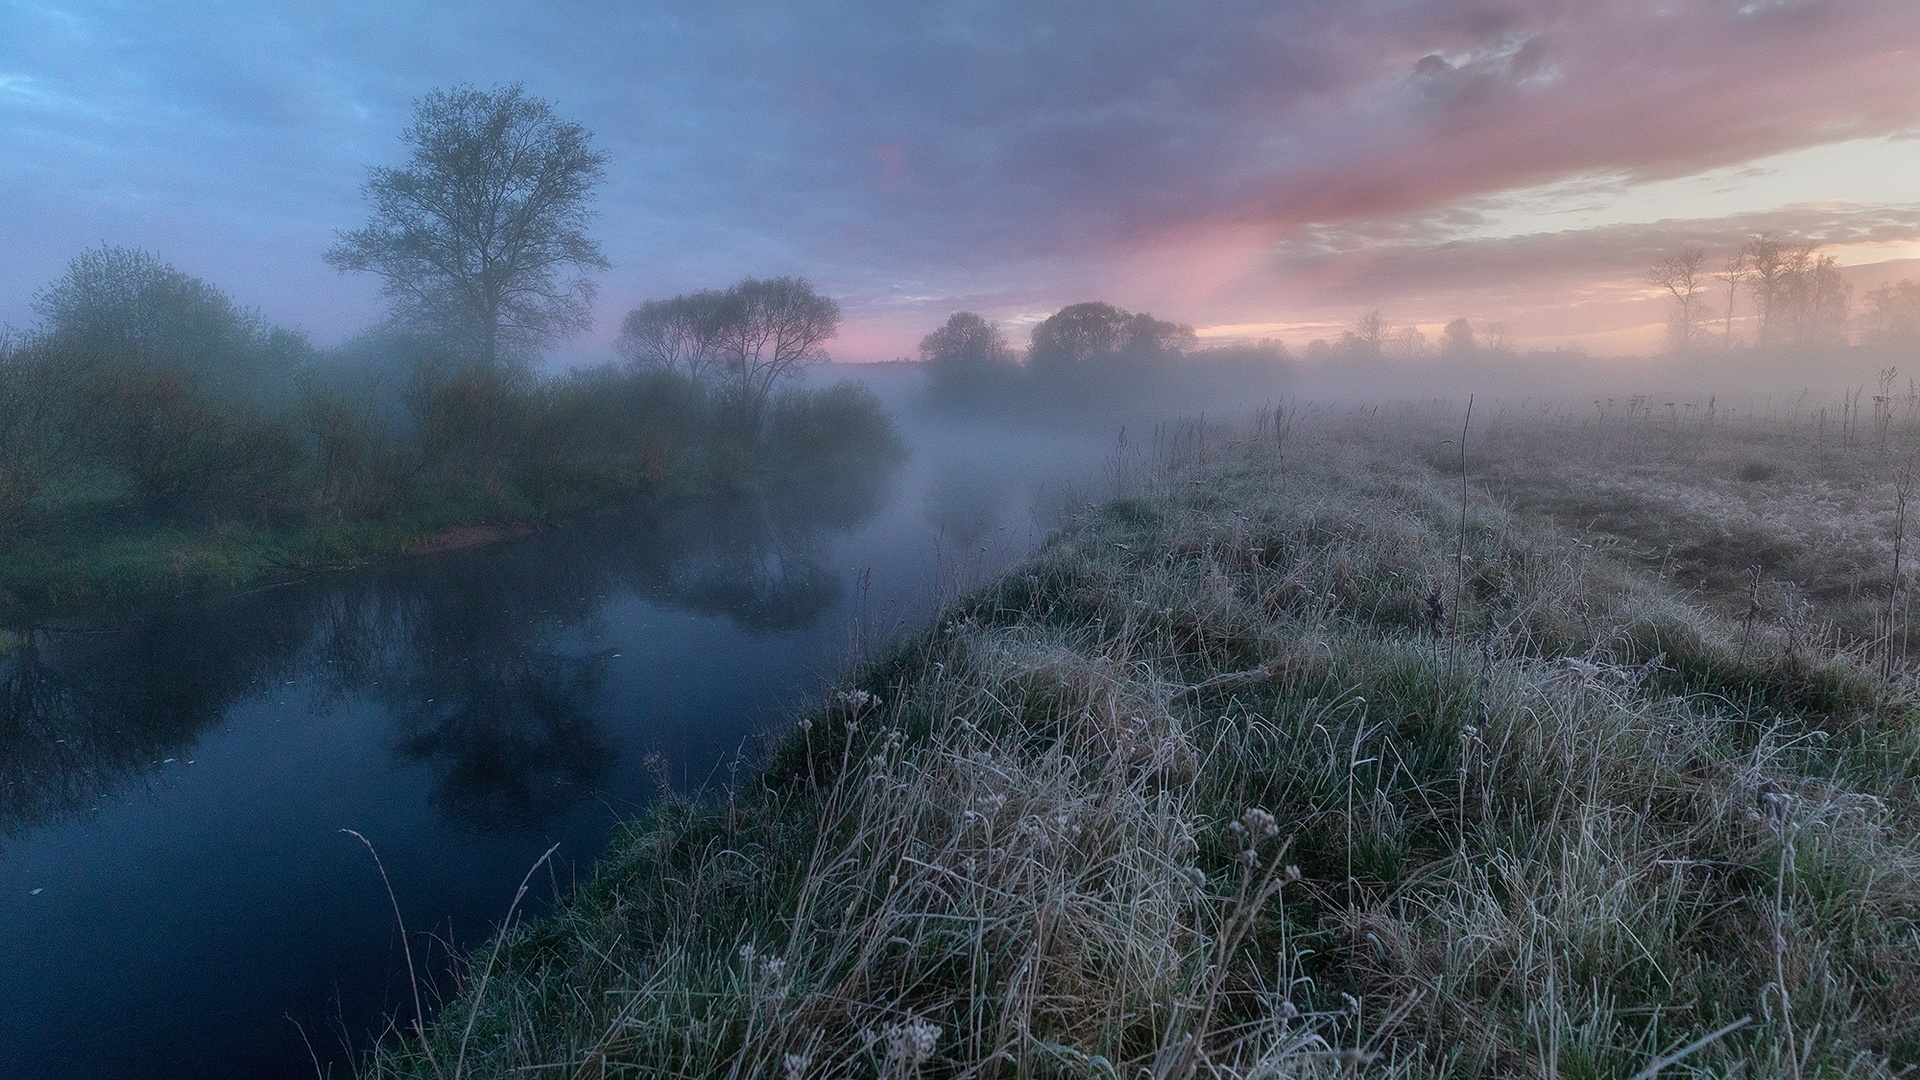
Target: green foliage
119,307
141,413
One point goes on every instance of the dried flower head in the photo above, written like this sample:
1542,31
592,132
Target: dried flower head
856,701
1259,823
911,1043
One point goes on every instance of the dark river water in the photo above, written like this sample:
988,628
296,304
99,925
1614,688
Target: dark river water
177,896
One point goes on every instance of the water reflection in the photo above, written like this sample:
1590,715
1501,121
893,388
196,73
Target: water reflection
483,659
88,710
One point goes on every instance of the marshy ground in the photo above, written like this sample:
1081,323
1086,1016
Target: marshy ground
1326,746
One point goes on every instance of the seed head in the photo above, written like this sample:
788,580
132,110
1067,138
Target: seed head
1259,824
911,1043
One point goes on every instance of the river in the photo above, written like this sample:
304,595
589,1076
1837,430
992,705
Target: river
178,894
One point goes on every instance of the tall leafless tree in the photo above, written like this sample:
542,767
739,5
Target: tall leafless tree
1814,300
681,335
772,329
1458,339
1893,314
1368,335
1684,277
1734,273
1769,263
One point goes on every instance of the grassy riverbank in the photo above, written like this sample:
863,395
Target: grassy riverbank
1323,748
595,445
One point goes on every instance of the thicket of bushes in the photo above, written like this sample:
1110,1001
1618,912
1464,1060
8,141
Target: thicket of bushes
148,404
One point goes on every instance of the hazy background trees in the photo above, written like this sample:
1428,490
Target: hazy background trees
969,361
1892,316
1091,340
740,344
481,237
1091,359
1683,276
148,406
148,415
1799,297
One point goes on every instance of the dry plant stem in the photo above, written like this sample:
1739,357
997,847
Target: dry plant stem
1787,830
1248,901
1753,609
1902,488
1460,561
406,948
480,992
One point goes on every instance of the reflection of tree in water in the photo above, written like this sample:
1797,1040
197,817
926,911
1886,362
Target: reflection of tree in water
463,652
745,561
481,656
85,711
513,746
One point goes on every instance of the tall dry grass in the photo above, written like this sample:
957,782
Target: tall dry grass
1298,757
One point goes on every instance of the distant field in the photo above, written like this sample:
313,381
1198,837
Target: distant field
1326,746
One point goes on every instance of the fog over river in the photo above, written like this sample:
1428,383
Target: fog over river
177,896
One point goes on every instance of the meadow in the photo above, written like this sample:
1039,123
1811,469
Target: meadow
1413,741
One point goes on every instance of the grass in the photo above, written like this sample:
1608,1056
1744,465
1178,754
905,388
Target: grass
1225,781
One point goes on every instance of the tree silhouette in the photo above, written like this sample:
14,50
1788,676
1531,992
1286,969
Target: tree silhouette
1075,338
1684,277
474,236
968,358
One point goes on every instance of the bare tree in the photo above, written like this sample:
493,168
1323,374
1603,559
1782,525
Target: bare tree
1406,343
1734,273
681,335
1368,336
1770,262
772,329
1683,276
968,358
967,339
1814,299
1893,314
1080,338
1498,337
474,236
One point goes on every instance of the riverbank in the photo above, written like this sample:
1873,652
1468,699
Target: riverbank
1324,747
830,447
44,579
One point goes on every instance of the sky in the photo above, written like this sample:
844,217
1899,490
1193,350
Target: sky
1251,167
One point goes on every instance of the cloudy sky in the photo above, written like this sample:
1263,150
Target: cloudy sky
1253,168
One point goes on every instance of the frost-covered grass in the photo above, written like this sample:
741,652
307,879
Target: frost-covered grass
1269,767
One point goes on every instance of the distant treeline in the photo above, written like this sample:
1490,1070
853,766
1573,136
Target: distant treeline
1092,357
147,406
